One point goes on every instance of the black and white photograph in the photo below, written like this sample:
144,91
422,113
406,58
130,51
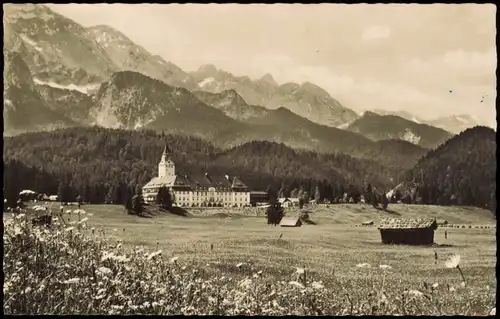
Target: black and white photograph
227,159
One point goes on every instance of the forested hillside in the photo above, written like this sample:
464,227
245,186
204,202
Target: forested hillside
462,171
94,162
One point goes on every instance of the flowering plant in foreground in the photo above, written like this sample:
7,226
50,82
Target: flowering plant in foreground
71,268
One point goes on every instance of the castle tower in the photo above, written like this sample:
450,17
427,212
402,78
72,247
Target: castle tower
166,167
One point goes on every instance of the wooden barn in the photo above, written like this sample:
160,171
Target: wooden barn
407,231
291,222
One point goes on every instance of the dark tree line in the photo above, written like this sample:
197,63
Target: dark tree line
106,166
460,172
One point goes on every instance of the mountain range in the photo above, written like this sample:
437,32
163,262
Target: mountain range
454,123
61,74
383,127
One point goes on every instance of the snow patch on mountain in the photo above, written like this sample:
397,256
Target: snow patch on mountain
461,119
206,81
411,137
85,89
29,41
343,126
414,119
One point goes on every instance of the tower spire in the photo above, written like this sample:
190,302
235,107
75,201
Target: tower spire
166,150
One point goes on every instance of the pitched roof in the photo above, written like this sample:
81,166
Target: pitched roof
166,149
237,183
407,223
161,181
290,221
196,180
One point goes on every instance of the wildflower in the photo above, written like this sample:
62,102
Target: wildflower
174,260
239,265
416,293
296,284
451,289
462,284
69,228
83,220
384,267
435,285
300,271
99,297
71,281
105,270
363,265
245,283
121,259
453,262
152,255
317,285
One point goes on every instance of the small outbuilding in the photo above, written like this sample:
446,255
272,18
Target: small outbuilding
407,231
291,222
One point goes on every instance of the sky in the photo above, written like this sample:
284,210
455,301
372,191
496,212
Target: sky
385,56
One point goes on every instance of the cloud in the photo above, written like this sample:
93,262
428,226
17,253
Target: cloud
376,32
469,63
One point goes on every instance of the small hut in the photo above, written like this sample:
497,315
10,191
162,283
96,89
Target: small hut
407,231
291,222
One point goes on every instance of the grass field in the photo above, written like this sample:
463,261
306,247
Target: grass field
334,244
226,243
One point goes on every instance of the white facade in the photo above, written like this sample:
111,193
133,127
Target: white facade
196,191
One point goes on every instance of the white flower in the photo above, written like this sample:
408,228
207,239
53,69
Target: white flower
83,220
453,262
462,284
122,259
239,265
384,267
71,281
317,285
415,293
299,270
70,228
245,283
68,211
105,270
174,259
364,265
451,289
296,284
435,285
152,255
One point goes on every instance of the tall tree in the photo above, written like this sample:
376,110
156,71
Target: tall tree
164,198
272,196
317,195
137,204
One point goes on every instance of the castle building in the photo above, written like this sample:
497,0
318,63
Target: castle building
196,190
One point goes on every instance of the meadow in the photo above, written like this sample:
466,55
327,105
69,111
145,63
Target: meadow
226,261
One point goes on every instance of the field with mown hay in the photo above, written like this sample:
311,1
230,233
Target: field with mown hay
220,261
